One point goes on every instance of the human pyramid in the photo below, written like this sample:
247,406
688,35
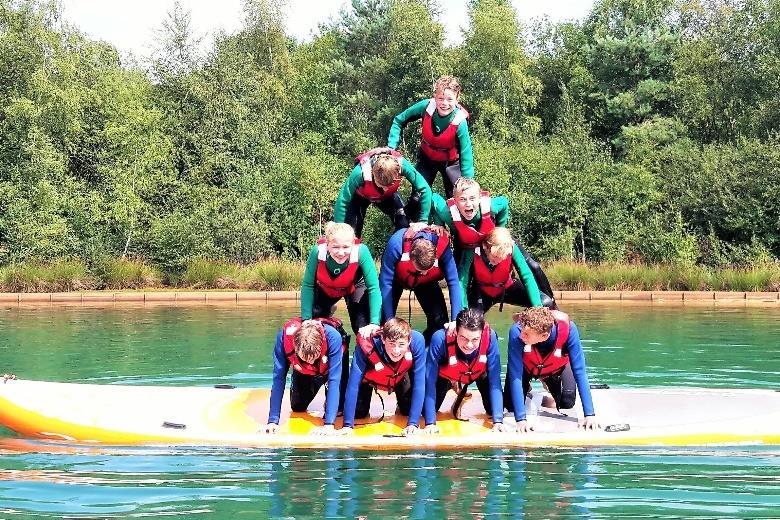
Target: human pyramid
462,239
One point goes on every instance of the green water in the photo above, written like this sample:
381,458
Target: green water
625,346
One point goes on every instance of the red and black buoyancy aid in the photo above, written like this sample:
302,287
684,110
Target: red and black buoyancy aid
460,371
444,146
539,365
380,374
369,190
405,272
343,283
319,367
466,236
492,282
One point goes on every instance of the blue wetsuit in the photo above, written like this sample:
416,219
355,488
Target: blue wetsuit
281,367
437,356
417,372
514,373
391,290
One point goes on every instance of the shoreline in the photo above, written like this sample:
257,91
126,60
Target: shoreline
256,297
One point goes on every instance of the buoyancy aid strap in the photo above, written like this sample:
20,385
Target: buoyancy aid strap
484,203
366,167
459,117
562,321
355,253
322,251
431,108
454,212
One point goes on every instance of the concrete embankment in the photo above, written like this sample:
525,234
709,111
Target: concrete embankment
259,297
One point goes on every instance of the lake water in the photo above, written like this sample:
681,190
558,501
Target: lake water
626,345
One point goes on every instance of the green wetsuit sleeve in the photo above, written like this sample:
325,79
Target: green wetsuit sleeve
500,207
440,212
420,185
307,287
353,182
367,266
412,113
466,152
527,276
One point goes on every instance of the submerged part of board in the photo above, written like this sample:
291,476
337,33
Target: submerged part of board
123,415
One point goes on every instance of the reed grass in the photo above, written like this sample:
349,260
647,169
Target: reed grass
122,273
60,276
276,274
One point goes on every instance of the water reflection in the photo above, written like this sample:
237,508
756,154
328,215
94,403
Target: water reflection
351,484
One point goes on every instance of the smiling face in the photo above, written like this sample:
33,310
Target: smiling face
467,202
468,340
339,248
397,348
446,101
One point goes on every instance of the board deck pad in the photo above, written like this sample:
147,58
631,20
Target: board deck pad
129,415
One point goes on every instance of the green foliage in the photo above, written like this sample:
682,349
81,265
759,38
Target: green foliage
646,133
123,273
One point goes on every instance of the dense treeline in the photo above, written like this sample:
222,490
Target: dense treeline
647,132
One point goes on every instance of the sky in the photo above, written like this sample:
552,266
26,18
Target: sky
130,26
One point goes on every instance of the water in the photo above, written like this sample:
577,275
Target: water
625,346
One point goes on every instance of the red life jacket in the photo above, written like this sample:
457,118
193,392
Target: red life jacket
319,367
458,370
467,236
369,190
342,284
540,366
492,282
383,375
442,147
406,274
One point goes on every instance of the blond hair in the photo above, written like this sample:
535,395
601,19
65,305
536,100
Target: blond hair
462,184
307,340
498,242
395,329
447,82
385,170
423,253
338,229
540,319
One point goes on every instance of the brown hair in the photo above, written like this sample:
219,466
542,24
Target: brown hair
423,253
395,329
447,82
307,340
498,242
463,184
540,319
470,319
385,170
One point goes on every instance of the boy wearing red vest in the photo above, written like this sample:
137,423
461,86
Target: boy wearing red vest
375,180
317,350
445,145
417,259
466,354
339,266
545,345
500,274
393,360
471,215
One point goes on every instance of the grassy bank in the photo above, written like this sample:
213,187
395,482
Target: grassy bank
275,274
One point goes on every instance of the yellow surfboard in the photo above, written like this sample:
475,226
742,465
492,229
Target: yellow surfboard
126,415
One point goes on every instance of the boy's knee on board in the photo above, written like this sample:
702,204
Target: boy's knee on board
567,400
